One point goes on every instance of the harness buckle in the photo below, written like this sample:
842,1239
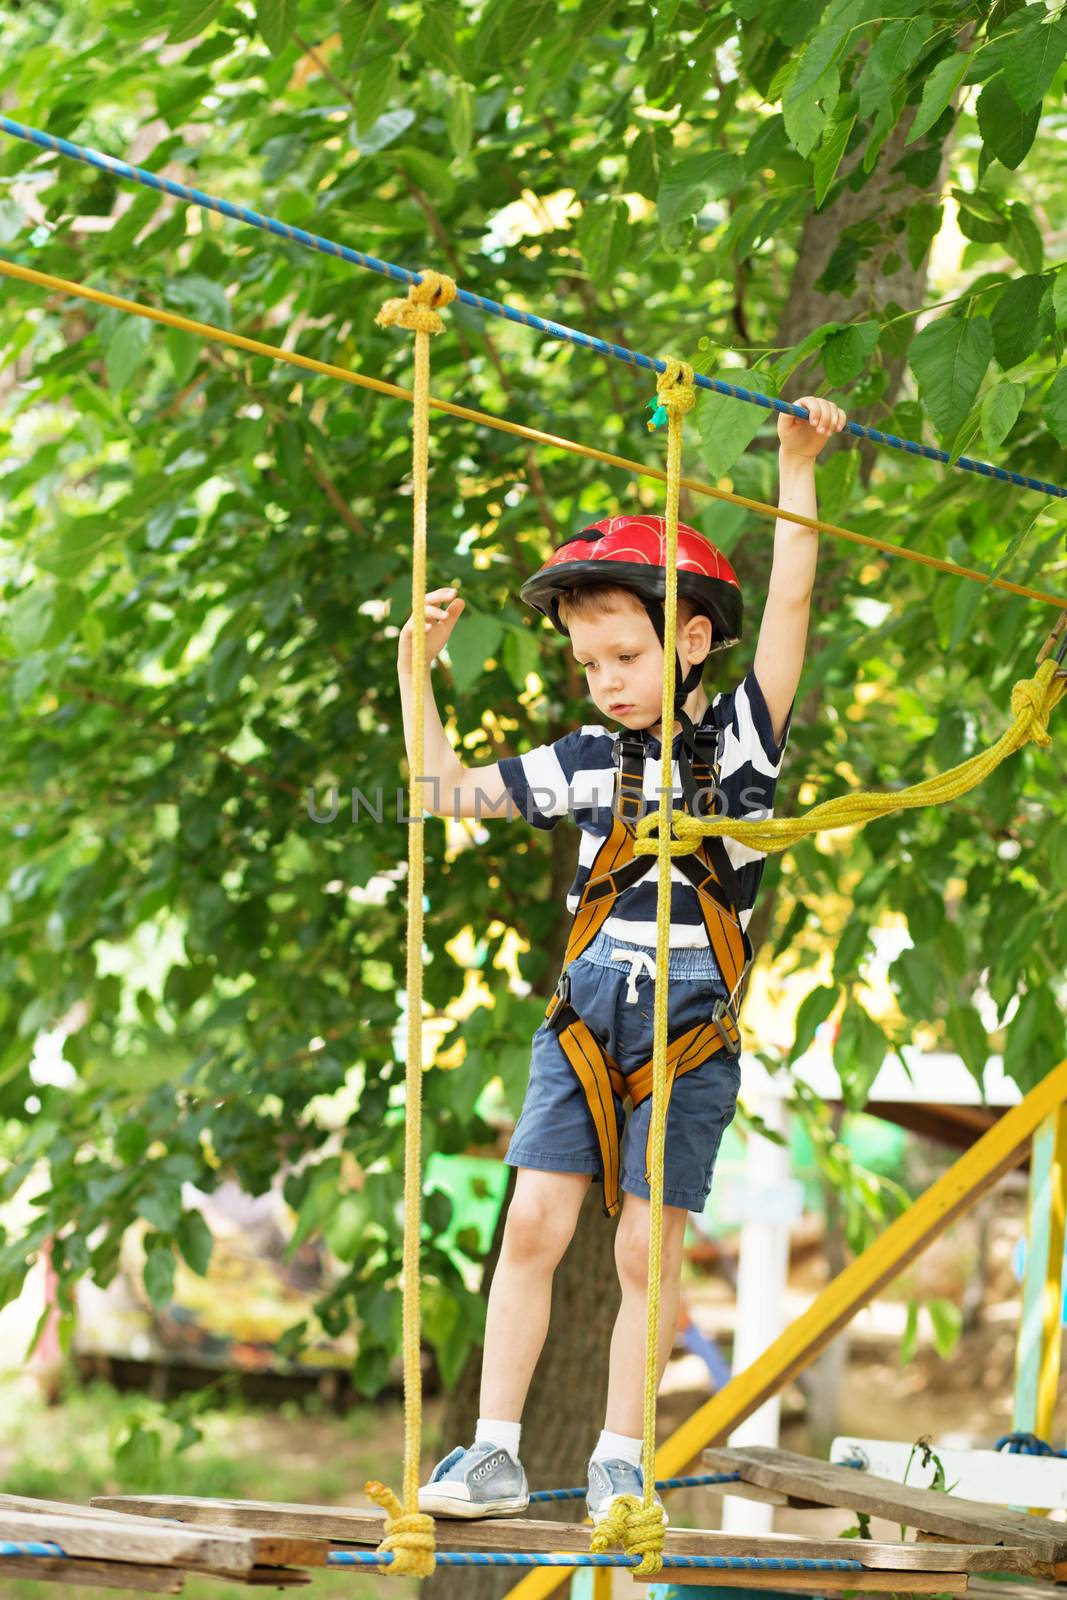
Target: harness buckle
561,997
723,1008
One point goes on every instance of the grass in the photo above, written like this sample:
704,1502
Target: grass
98,1441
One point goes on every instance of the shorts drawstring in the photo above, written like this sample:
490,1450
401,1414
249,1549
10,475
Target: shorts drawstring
638,960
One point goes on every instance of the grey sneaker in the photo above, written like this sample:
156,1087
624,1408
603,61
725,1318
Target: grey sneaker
482,1481
608,1481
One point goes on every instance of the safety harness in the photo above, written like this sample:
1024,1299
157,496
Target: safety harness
615,869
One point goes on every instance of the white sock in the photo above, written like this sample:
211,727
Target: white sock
618,1447
503,1434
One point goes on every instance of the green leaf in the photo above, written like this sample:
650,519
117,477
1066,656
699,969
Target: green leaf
382,133
894,52
359,22
1054,407
435,38
522,655
980,218
726,425
159,1267
859,1051
940,86
42,617
946,1320
275,19
1024,238
689,184
1034,60
807,113
428,171
814,1009
603,233
201,297
949,358
193,17
924,225
161,1208
1007,131
195,1241
969,1039
828,156
377,85
844,355
473,642
1059,297
184,352
911,1329
1014,320
1000,410
126,350
460,121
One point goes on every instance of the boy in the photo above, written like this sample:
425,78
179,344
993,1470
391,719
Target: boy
604,588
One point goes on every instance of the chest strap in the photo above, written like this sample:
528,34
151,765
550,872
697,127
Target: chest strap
603,1081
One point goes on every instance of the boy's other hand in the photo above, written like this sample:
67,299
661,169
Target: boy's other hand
805,438
442,614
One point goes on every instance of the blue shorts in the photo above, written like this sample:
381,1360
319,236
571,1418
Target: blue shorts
555,1131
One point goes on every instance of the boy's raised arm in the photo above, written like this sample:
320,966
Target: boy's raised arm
449,788
784,629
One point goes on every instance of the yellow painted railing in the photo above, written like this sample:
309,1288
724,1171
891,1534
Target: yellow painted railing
955,1192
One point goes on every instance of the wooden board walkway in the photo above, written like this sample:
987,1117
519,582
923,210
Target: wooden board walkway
817,1483
358,1526
120,1550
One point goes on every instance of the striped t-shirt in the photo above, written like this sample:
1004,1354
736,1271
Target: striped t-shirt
575,776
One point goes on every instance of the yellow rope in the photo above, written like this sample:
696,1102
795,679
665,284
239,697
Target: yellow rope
409,1532
327,369
1032,701
639,1527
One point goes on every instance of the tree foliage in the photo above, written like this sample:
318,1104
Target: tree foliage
205,555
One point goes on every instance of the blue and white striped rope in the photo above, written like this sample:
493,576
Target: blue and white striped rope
554,330
697,1482
499,1558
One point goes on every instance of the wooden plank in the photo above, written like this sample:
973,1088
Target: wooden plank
100,1574
364,1526
157,1545
934,1512
990,1476
67,1508
817,1582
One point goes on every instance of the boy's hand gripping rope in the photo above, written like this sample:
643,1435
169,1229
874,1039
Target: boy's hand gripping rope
409,1532
638,1525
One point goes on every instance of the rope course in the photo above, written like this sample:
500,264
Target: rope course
700,1480
554,330
256,347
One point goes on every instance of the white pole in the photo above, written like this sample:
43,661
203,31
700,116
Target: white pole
770,1200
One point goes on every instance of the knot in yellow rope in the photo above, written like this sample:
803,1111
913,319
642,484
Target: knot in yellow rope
637,1529
416,312
687,830
675,389
409,1535
1032,700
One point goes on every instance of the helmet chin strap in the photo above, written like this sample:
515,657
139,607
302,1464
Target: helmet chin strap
684,686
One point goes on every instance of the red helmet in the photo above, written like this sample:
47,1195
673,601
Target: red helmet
630,551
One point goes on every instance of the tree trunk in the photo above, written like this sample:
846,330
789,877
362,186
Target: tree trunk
565,1411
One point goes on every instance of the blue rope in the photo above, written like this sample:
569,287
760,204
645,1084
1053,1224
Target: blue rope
661,1483
1025,1444
495,1558
555,330
30,1547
